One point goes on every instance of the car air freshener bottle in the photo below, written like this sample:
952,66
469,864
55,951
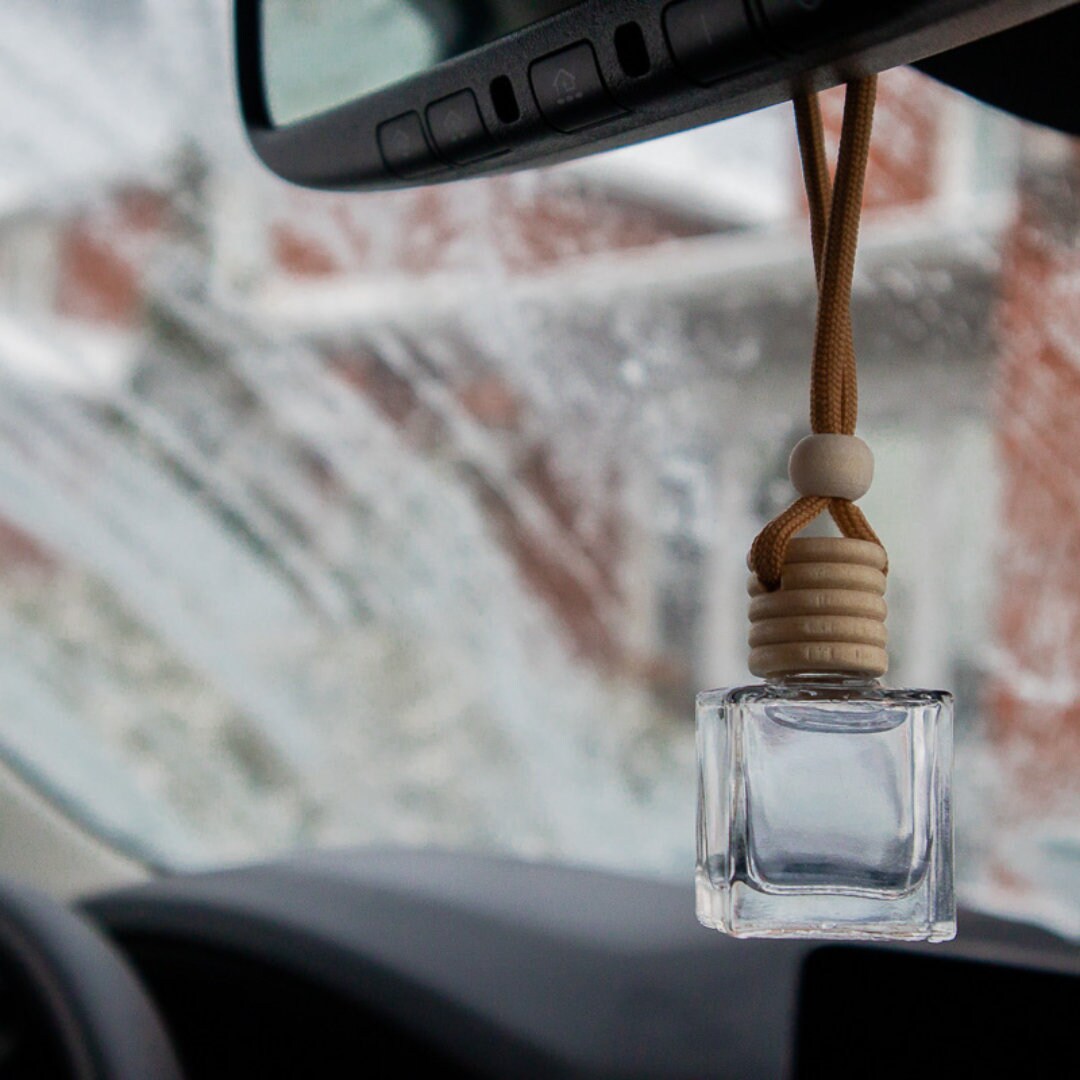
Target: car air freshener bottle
824,801
824,796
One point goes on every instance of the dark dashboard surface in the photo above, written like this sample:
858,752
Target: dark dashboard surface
465,966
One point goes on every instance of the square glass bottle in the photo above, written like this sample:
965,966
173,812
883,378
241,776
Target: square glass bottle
823,811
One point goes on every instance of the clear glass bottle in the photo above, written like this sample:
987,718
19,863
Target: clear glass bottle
824,811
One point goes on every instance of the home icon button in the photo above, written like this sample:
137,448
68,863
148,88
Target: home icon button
570,89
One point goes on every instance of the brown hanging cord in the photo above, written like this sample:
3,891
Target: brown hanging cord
834,229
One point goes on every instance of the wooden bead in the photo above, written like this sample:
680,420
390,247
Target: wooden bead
832,466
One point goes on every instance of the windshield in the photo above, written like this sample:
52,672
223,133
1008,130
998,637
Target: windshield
418,518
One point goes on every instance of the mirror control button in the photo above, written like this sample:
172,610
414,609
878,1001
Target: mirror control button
458,129
570,89
405,148
798,24
711,40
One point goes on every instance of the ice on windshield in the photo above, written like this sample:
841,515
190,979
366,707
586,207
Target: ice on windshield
418,518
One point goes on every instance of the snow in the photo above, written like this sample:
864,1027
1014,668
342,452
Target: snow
736,172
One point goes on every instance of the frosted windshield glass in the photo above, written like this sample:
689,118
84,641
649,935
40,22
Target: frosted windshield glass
416,518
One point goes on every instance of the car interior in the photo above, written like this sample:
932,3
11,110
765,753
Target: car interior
345,723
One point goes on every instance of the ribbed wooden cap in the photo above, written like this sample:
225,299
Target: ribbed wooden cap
827,617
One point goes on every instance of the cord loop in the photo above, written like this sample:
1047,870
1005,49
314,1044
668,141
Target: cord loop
834,228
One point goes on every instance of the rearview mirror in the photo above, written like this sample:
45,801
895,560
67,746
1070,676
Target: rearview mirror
364,94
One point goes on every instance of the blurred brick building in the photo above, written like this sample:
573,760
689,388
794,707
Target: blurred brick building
103,257
1035,697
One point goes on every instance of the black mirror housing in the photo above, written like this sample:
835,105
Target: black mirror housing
599,75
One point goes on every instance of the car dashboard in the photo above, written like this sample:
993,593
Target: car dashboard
458,965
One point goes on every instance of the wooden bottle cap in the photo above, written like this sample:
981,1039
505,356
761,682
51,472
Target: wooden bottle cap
807,628
818,658
828,615
836,549
827,575
781,604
